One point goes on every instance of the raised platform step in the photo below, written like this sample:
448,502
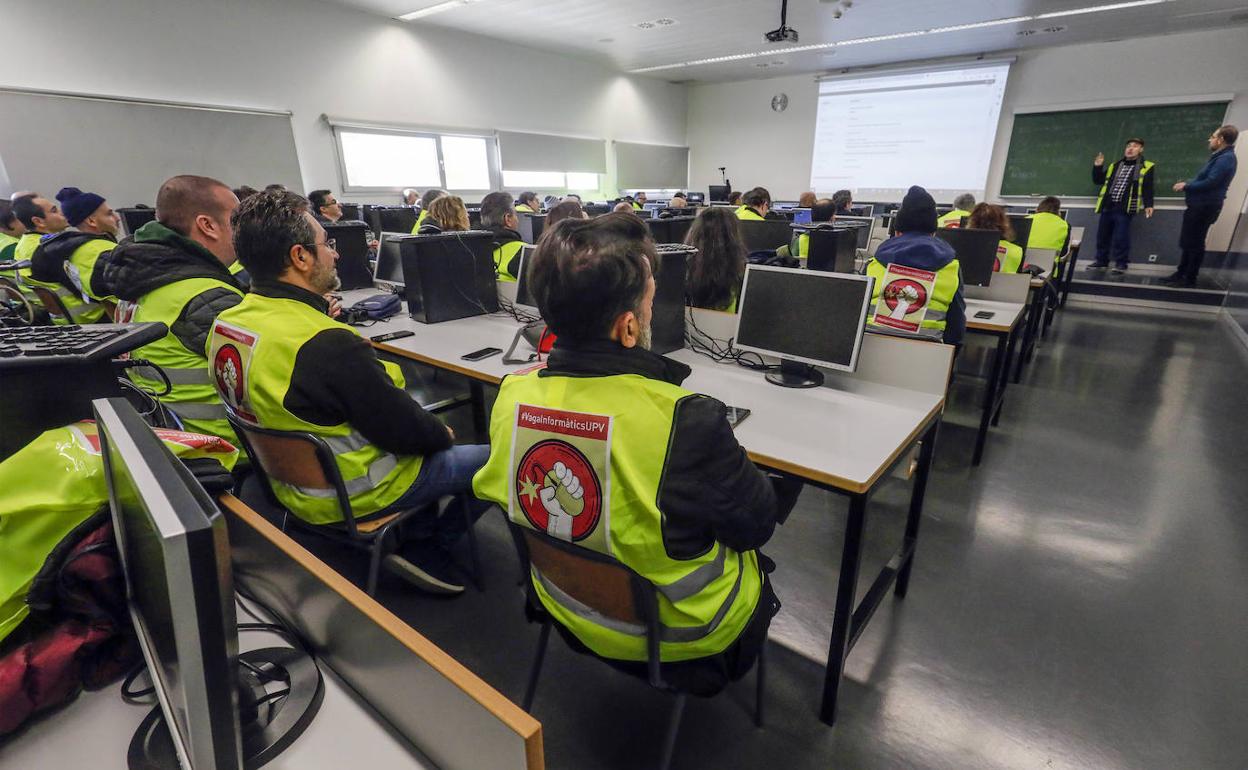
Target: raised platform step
1144,284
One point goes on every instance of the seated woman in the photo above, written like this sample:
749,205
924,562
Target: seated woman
446,214
570,208
713,278
986,216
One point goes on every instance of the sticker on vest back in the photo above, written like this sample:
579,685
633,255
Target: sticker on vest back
560,466
904,300
231,352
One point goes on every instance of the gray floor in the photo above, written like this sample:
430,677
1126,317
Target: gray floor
1078,600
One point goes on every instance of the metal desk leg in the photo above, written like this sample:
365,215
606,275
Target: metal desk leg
990,395
480,423
926,453
846,590
1005,381
1070,274
1029,336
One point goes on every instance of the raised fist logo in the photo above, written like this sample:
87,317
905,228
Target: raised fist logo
902,296
558,490
228,368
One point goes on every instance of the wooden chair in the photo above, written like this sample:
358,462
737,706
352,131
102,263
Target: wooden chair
305,460
616,592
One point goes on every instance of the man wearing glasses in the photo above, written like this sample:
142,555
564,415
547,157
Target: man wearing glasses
278,360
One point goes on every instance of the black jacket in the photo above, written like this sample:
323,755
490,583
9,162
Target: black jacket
156,256
506,235
710,491
47,264
1100,174
337,378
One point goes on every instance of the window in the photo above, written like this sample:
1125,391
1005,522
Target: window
392,160
550,180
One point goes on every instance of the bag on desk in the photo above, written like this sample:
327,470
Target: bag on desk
375,308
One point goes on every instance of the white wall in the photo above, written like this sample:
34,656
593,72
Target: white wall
733,125
315,58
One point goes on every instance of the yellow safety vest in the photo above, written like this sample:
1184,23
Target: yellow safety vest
192,397
23,250
1048,231
503,254
948,278
524,208
1134,202
252,352
748,214
610,433
8,244
78,269
1009,257
952,218
420,220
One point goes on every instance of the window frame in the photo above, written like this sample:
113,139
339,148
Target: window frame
436,134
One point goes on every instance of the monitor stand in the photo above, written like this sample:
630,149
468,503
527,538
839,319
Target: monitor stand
795,374
151,748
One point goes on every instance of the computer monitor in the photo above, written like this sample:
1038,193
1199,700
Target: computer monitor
1022,229
389,269
831,249
695,197
596,209
474,218
767,235
352,245
801,216
976,251
449,276
863,210
134,218
861,225
175,556
531,227
807,318
350,212
669,230
719,193
395,219
524,296
667,321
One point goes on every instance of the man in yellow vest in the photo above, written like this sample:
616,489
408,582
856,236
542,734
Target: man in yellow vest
1126,189
1048,229
604,449
755,205
281,362
528,203
822,215
916,246
40,218
425,200
10,231
66,262
639,200
962,206
175,270
498,215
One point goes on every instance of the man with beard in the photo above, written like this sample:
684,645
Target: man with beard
66,262
280,361
604,449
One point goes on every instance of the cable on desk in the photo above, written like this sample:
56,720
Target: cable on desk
513,310
723,350
131,696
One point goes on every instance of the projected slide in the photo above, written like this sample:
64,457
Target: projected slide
877,135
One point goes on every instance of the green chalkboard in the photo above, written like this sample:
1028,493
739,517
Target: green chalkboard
1051,152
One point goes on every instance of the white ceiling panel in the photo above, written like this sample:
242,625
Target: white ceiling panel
645,34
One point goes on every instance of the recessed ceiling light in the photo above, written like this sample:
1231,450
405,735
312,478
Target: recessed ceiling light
903,35
436,8
644,25
665,22
1025,32
606,40
1051,30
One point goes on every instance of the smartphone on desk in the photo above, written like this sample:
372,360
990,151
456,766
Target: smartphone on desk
392,336
737,415
985,314
477,355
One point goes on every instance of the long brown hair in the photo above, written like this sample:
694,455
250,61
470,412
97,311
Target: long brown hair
986,216
449,212
714,276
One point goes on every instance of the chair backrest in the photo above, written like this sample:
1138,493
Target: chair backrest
603,584
294,458
54,305
1041,258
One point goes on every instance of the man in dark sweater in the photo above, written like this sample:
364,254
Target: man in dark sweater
279,361
1204,194
1126,188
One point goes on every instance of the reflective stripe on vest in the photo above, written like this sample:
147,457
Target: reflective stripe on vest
255,387
705,600
1134,202
79,312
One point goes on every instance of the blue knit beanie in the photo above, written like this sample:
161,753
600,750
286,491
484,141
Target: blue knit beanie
78,205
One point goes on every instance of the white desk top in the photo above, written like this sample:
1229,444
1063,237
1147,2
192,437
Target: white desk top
95,730
844,435
1006,315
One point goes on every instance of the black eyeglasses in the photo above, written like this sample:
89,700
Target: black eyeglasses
330,243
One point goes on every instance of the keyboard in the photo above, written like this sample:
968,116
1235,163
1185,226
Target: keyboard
673,248
33,346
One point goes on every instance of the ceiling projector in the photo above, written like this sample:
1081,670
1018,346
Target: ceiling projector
785,34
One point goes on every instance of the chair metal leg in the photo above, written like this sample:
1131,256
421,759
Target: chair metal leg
673,727
760,685
374,565
531,690
285,517
470,531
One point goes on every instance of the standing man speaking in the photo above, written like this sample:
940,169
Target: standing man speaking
1204,194
1126,187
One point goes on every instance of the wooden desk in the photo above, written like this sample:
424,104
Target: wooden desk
844,437
1004,327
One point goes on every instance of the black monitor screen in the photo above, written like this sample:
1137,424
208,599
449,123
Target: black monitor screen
524,296
1022,229
395,219
133,219
351,243
719,193
389,260
175,555
803,315
767,235
350,212
976,250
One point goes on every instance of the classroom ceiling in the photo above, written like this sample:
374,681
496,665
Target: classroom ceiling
649,36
